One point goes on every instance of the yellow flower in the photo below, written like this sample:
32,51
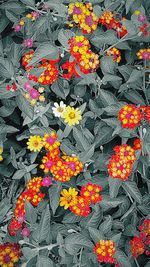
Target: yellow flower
72,115
35,143
1,150
21,22
137,12
68,197
1,158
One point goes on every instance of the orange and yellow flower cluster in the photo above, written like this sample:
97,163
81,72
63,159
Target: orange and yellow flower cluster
110,22
105,251
10,254
115,53
80,204
82,16
130,116
144,53
50,73
62,168
84,58
140,244
34,195
120,164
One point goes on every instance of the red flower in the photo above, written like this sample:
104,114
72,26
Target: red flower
81,208
137,246
137,144
71,67
130,116
105,251
91,192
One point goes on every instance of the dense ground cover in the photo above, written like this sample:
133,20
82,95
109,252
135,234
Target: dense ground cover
74,133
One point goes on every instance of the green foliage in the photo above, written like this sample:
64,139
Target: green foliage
59,238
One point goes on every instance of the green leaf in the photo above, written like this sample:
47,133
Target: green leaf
74,242
7,129
19,174
87,155
96,217
134,97
114,185
44,261
106,226
80,139
96,234
64,36
129,3
108,65
5,206
44,50
131,188
107,98
28,2
31,215
122,259
25,106
6,68
54,194
44,226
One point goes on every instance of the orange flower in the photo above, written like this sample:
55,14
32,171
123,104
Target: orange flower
26,59
145,227
49,75
89,62
81,208
74,164
115,53
137,246
105,251
49,160
35,184
60,171
119,169
10,254
50,141
91,192
130,116
144,53
137,144
125,153
107,18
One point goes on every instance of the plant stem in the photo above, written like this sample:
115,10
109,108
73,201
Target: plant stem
49,247
136,262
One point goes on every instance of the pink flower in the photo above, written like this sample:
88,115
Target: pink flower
21,219
141,18
35,14
25,232
34,94
47,181
146,55
28,86
17,28
28,43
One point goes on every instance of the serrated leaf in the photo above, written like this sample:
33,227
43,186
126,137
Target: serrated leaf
44,261
64,36
44,226
77,241
87,155
6,68
106,225
114,185
131,188
54,194
19,174
96,234
134,97
44,50
25,106
80,139
31,215
122,259
107,98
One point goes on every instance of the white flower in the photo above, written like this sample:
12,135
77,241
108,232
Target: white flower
58,109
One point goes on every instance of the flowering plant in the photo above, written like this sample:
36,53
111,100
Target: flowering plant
74,133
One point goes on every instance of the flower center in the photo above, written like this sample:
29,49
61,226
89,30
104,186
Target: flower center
60,109
60,172
89,20
50,140
36,144
7,258
72,115
77,10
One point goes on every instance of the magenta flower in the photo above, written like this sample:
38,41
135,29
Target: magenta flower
21,219
35,14
34,94
47,181
25,232
28,43
141,18
28,86
17,28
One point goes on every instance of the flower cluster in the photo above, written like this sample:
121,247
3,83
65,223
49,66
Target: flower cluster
70,115
84,58
30,16
80,204
142,19
10,254
115,53
144,54
120,164
33,94
110,22
50,73
34,195
105,251
1,152
130,116
137,144
140,244
11,87
82,16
